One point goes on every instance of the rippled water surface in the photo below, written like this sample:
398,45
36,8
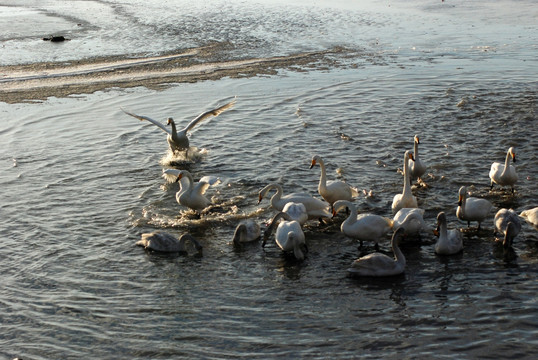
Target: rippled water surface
81,181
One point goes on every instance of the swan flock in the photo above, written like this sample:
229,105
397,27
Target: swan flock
295,210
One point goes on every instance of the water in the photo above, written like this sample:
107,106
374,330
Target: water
81,181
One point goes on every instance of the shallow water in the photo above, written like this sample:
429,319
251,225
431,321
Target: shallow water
81,181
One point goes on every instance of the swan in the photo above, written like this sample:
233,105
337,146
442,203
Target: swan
378,264
471,208
450,241
363,227
406,199
289,235
191,194
297,211
502,218
178,140
332,191
503,247
504,175
531,216
246,231
164,242
411,219
416,166
315,208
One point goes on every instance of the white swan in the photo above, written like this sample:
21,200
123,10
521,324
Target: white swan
504,175
164,242
332,191
411,219
247,231
363,227
315,208
178,140
191,194
378,264
297,211
406,199
289,235
416,166
502,218
450,241
471,208
531,216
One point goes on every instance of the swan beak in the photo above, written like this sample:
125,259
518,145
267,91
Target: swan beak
436,232
514,157
170,120
312,164
460,200
417,140
179,177
259,199
411,157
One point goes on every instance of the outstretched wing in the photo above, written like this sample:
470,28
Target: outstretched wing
154,122
207,114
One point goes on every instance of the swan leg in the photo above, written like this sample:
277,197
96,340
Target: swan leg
376,247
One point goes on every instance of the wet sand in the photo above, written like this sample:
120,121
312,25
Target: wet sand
42,80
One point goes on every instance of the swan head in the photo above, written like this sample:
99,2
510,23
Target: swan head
409,156
417,140
170,121
315,160
339,205
199,248
441,219
512,153
299,255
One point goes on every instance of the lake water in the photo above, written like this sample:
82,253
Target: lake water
81,180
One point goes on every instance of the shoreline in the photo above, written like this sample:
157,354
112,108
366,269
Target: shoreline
39,81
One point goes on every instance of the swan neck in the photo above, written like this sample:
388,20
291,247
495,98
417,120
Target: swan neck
407,182
415,150
173,125
398,255
277,196
323,176
239,231
352,218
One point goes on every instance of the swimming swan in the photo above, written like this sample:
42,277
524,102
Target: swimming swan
450,241
332,191
411,219
502,218
416,166
297,211
378,264
471,208
191,194
504,175
531,216
406,199
315,208
289,235
246,231
178,140
363,227
164,242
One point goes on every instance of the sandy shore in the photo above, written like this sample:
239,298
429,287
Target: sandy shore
42,80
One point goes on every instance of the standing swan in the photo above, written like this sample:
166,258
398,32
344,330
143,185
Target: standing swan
471,208
289,235
178,140
416,166
406,199
450,241
378,264
363,227
164,242
315,208
246,231
332,191
504,175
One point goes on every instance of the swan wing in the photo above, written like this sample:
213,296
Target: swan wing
205,115
154,122
375,264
